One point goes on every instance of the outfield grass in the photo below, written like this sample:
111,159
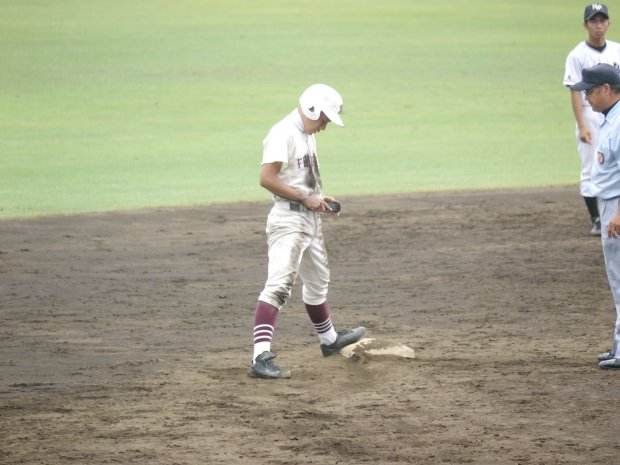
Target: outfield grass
119,105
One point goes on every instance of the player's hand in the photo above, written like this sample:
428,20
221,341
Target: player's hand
314,203
585,136
319,204
333,206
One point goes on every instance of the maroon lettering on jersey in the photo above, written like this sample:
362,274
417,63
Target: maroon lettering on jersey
601,158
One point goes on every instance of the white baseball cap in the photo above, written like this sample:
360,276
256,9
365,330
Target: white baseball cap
321,98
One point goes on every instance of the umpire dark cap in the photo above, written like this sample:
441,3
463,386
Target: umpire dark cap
594,9
597,76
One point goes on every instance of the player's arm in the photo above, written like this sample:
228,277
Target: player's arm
584,130
270,180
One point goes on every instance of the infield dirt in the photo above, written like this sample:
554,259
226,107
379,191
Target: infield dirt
126,337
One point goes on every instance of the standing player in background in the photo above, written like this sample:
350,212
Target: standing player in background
594,50
290,171
601,85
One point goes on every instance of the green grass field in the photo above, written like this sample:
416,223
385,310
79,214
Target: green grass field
120,105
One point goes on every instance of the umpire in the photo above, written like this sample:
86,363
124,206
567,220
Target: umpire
601,85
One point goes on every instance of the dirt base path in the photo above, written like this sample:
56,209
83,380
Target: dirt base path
126,337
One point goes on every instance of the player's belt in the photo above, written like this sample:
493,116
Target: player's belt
297,207
292,206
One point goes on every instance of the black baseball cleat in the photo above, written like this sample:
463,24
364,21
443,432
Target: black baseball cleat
344,338
596,228
264,367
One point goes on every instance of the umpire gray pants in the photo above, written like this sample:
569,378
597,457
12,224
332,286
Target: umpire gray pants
611,251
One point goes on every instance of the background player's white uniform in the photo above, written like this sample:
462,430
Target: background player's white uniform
585,56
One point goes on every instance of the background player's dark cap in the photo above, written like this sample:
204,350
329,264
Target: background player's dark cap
597,76
593,9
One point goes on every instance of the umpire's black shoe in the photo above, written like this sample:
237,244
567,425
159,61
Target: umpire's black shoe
611,364
264,367
605,356
345,337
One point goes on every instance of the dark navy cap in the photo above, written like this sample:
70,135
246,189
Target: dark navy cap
593,9
597,76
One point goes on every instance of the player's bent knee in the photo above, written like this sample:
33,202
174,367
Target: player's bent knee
277,297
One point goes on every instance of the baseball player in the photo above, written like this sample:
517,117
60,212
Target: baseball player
601,85
595,49
290,171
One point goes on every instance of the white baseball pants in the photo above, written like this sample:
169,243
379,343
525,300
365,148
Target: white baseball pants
296,247
587,152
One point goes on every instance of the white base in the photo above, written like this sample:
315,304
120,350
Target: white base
369,348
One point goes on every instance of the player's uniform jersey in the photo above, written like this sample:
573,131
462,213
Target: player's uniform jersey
584,56
287,142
